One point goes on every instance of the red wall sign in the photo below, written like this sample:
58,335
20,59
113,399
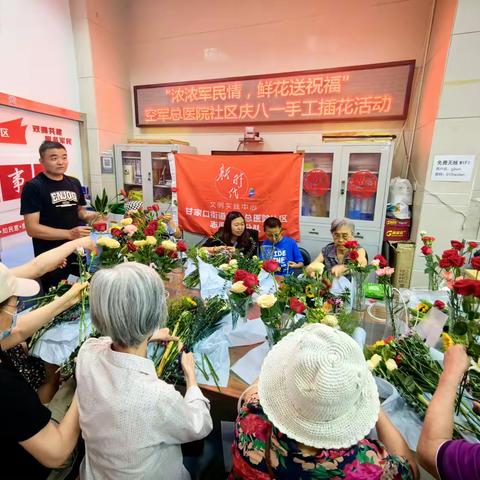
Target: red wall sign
12,228
368,92
12,180
13,132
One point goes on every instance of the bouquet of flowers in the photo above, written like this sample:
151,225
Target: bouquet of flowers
245,284
191,319
103,206
407,364
142,237
240,262
222,257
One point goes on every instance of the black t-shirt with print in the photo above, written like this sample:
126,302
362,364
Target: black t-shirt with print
57,201
23,416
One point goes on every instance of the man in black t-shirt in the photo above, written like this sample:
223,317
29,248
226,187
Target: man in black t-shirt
53,208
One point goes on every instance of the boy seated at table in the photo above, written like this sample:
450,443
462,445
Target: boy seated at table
284,249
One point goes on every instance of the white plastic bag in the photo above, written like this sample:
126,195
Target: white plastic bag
340,285
401,415
267,283
401,190
246,332
216,348
211,283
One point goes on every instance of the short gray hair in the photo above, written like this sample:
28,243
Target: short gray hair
127,303
342,222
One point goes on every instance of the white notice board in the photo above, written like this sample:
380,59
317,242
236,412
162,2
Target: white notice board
452,168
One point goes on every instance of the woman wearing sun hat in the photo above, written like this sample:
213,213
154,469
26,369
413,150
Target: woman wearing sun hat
310,416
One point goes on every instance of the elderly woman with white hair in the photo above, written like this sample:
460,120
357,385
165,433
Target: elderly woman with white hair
333,254
311,414
133,423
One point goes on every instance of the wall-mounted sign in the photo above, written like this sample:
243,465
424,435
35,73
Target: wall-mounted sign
368,92
452,168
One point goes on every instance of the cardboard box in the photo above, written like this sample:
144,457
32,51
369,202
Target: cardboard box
404,254
397,230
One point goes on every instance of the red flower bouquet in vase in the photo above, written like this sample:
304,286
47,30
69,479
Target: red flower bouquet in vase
245,284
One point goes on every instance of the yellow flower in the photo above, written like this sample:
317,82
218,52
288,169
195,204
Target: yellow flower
330,320
238,287
326,307
391,365
140,243
447,341
379,343
102,241
266,300
112,243
308,291
126,221
190,301
169,245
115,225
151,240
423,308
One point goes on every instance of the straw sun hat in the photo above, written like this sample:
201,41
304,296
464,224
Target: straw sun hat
315,387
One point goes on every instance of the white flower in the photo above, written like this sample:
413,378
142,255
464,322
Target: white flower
375,263
316,267
375,359
224,267
391,365
169,245
475,365
330,320
371,366
233,262
423,233
81,251
266,300
238,287
151,240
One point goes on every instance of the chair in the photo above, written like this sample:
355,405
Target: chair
307,259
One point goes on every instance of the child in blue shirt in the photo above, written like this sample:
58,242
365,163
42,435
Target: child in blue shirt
285,249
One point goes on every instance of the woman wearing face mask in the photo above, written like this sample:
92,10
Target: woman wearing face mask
234,235
30,444
333,255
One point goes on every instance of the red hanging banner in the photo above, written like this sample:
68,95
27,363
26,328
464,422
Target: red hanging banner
259,186
13,132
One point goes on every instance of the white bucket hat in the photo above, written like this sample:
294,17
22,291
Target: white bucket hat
315,387
10,285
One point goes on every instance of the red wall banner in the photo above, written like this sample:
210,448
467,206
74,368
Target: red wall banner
259,186
13,132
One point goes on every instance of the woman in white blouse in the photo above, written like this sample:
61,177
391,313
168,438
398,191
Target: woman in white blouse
133,423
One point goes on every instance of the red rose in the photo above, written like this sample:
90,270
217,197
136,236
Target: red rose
439,304
181,246
445,263
426,250
464,287
476,263
389,339
398,359
473,244
100,226
457,245
153,224
476,293
172,254
351,244
150,208
131,247
160,251
457,261
428,239
155,207
270,266
149,231
116,232
353,255
450,253
383,261
250,281
239,275
296,305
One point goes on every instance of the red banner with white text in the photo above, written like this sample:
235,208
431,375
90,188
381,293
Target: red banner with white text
258,186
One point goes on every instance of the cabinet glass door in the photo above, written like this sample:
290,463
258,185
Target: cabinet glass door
317,184
161,178
132,174
362,185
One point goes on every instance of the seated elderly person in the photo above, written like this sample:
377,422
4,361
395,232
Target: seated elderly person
132,422
310,415
333,255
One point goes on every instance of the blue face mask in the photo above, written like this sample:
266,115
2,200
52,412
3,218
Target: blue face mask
6,333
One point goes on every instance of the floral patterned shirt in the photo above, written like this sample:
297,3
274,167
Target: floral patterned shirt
367,460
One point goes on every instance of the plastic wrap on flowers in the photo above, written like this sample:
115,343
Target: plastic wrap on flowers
212,359
211,284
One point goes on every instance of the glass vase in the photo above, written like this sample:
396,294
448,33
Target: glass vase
357,293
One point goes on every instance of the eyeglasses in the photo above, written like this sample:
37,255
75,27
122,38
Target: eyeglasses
345,236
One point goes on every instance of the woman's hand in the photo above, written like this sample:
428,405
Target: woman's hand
87,243
188,367
455,363
339,270
162,335
73,295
